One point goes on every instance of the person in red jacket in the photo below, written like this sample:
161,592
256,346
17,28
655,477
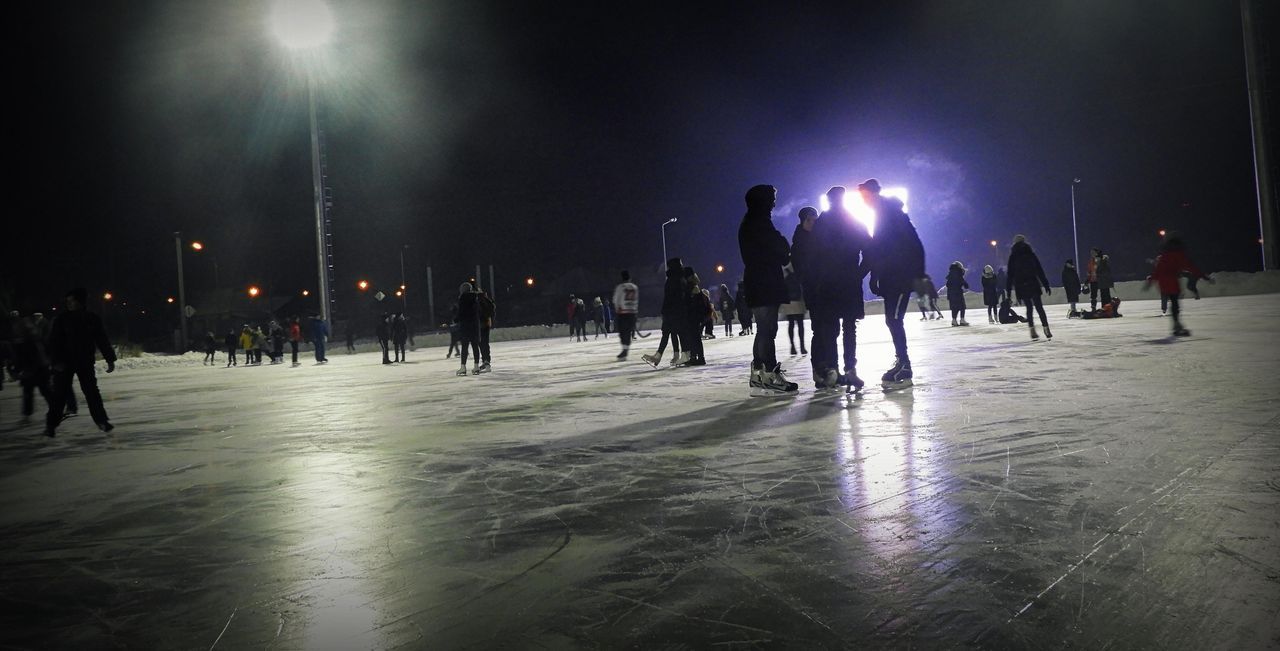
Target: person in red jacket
295,337
1169,266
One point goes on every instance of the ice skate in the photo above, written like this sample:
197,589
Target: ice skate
462,372
954,323
756,381
622,356
775,383
827,378
1181,332
651,360
484,368
897,377
1047,333
793,350
850,380
675,359
682,360
1035,336
963,322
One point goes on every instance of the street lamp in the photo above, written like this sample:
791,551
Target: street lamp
197,246
995,252
404,300
719,268
1075,238
664,241
529,281
304,25
182,289
254,291
363,285
1162,232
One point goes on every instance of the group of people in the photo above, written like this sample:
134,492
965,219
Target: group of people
254,341
473,315
393,334
601,312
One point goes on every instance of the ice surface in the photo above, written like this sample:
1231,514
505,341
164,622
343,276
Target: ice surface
1112,488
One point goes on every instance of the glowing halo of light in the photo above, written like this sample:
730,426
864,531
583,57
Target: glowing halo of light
301,24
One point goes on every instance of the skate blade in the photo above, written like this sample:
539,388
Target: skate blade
890,387
761,392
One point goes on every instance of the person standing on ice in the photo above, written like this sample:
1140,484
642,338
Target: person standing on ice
1099,278
798,282
277,343
832,269
319,336
488,312
897,262
231,342
672,314
1170,265
74,337
246,344
383,331
399,336
626,299
956,284
469,328
990,295
1026,276
210,349
696,306
1071,285
295,337
764,253
744,310
725,304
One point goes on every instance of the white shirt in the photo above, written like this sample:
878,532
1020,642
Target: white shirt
626,298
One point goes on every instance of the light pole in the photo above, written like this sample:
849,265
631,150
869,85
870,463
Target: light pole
182,291
404,289
1075,238
995,253
304,25
664,241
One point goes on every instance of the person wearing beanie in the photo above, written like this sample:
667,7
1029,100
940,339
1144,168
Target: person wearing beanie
74,337
626,299
897,262
764,253
468,328
1026,276
833,274
672,314
725,305
1071,285
956,284
990,294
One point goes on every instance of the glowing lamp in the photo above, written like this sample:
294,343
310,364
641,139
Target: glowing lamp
306,292
254,291
196,246
106,296
399,293
719,268
301,24
993,242
169,300
529,281
363,285
1162,231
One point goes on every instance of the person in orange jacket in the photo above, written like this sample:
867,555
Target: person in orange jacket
1169,267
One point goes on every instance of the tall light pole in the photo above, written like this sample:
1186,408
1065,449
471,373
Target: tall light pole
1075,238
664,241
182,292
404,288
305,25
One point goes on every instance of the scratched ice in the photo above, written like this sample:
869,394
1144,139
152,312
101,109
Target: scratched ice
1113,488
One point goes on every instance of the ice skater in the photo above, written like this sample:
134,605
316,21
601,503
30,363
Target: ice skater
383,332
351,339
399,336
319,336
469,328
833,266
927,298
231,342
696,306
744,311
956,284
897,262
672,314
295,337
1100,280
246,344
597,317
453,331
210,349
488,311
1170,265
794,309
1007,314
74,337
30,364
626,299
990,295
1026,276
277,343
1071,286
725,304
764,253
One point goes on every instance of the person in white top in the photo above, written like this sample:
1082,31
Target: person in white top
626,299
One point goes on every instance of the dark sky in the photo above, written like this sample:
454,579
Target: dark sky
543,136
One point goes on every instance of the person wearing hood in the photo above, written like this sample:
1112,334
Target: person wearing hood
469,328
231,343
744,310
1026,276
764,253
990,295
1100,280
210,349
383,332
1170,265
834,268
956,284
696,305
277,343
399,336
897,261
1007,315
74,338
725,305
672,314
1071,285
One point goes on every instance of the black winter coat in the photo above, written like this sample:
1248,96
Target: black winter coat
1071,283
764,253
956,284
468,315
802,253
73,338
897,256
1026,276
673,307
836,268
990,294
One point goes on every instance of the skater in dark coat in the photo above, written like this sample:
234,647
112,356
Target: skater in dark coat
672,314
1071,285
210,349
990,295
1007,315
1170,265
1100,280
764,253
30,364
725,305
231,342
74,337
469,328
696,306
383,331
399,336
897,262
833,264
1026,276
744,310
956,284
319,336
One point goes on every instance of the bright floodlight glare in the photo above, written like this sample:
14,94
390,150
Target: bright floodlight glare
301,24
197,246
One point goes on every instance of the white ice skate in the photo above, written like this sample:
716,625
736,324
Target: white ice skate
775,383
651,360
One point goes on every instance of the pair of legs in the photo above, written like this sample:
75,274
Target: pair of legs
62,390
693,343
1094,288
453,343
472,343
763,353
794,321
626,326
399,350
484,345
231,357
209,355
319,343
895,310
669,331
727,317
1175,309
293,345
601,329
993,313
826,330
1036,303
34,379
957,308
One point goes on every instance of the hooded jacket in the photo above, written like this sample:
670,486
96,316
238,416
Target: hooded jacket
1071,282
836,266
1168,270
764,253
990,294
1026,276
896,257
673,297
956,284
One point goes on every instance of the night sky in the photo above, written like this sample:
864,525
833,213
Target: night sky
544,136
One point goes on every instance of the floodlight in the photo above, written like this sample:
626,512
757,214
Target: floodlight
301,24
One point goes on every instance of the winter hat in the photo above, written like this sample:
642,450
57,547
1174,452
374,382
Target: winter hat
675,263
1018,239
870,185
836,195
761,195
958,265
988,271
464,288
808,212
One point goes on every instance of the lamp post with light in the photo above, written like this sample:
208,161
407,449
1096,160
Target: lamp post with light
304,25
664,241
1075,238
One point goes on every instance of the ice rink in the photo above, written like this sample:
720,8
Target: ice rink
1111,488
